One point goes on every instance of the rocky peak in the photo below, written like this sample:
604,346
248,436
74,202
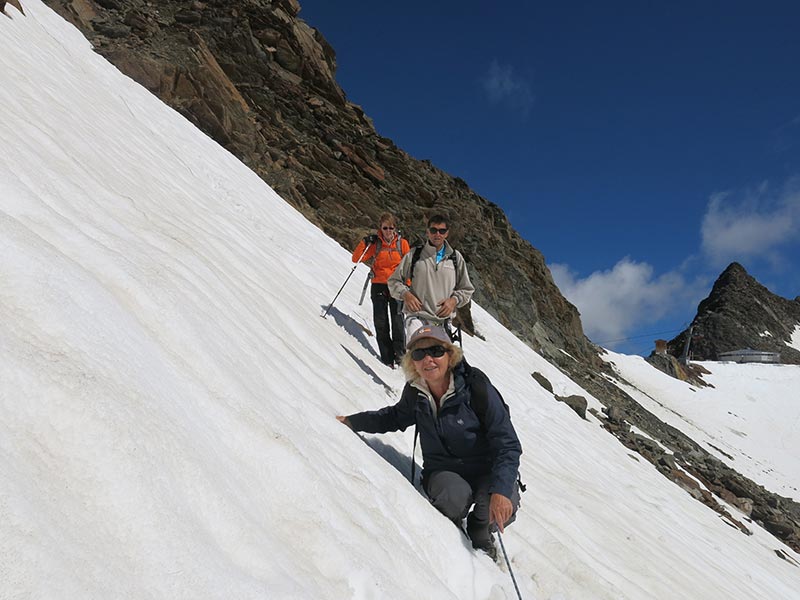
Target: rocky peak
741,313
734,277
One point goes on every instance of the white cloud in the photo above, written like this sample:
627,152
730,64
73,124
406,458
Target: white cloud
614,302
753,226
503,86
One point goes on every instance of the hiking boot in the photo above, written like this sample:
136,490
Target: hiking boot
488,548
459,522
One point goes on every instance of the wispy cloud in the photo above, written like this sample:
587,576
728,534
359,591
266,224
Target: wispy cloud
504,87
757,225
614,302
752,225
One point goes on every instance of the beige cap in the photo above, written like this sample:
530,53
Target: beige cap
433,332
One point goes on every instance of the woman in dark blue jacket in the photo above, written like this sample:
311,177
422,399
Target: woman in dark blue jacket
470,454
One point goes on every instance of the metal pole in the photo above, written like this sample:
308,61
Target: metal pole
353,270
364,289
510,572
685,356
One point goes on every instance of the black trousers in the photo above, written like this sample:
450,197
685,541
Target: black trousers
385,312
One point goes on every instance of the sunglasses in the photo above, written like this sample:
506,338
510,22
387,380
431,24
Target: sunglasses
435,230
388,228
434,351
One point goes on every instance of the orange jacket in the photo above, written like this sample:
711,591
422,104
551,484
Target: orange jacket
387,259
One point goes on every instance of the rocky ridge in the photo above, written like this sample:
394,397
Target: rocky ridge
741,313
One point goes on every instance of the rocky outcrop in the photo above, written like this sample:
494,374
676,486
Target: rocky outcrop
543,381
260,81
576,403
741,313
691,373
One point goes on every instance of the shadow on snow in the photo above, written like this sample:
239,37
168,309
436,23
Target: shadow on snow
353,327
368,370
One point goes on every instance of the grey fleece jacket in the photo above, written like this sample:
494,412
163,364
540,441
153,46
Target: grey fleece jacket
432,282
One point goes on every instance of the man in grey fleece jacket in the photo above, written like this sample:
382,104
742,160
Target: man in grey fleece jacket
439,284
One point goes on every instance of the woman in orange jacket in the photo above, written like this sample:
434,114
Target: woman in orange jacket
386,247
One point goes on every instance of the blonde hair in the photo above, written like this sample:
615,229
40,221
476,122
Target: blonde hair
407,363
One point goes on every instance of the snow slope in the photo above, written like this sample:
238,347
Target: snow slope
749,419
168,391
794,342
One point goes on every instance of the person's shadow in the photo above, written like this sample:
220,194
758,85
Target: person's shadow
397,459
353,327
368,370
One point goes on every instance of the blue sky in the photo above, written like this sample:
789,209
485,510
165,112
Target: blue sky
641,146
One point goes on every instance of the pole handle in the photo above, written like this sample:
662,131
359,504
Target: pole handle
353,270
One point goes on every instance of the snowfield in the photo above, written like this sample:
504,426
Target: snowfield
795,341
168,392
752,414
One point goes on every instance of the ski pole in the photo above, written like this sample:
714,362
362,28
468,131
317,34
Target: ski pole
510,571
364,289
353,270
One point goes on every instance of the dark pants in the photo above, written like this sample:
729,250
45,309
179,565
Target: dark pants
384,311
452,495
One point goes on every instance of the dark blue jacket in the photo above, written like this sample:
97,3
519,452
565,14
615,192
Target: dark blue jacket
455,440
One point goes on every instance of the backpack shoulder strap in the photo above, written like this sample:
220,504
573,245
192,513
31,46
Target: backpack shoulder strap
478,385
454,259
378,246
414,259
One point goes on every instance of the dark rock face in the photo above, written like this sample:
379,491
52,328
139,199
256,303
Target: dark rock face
741,313
261,82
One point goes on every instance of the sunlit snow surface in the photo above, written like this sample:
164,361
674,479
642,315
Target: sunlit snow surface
795,341
749,419
168,391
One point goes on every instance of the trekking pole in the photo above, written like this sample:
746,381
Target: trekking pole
353,270
364,289
510,571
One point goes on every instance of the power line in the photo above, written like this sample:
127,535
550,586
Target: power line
641,336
